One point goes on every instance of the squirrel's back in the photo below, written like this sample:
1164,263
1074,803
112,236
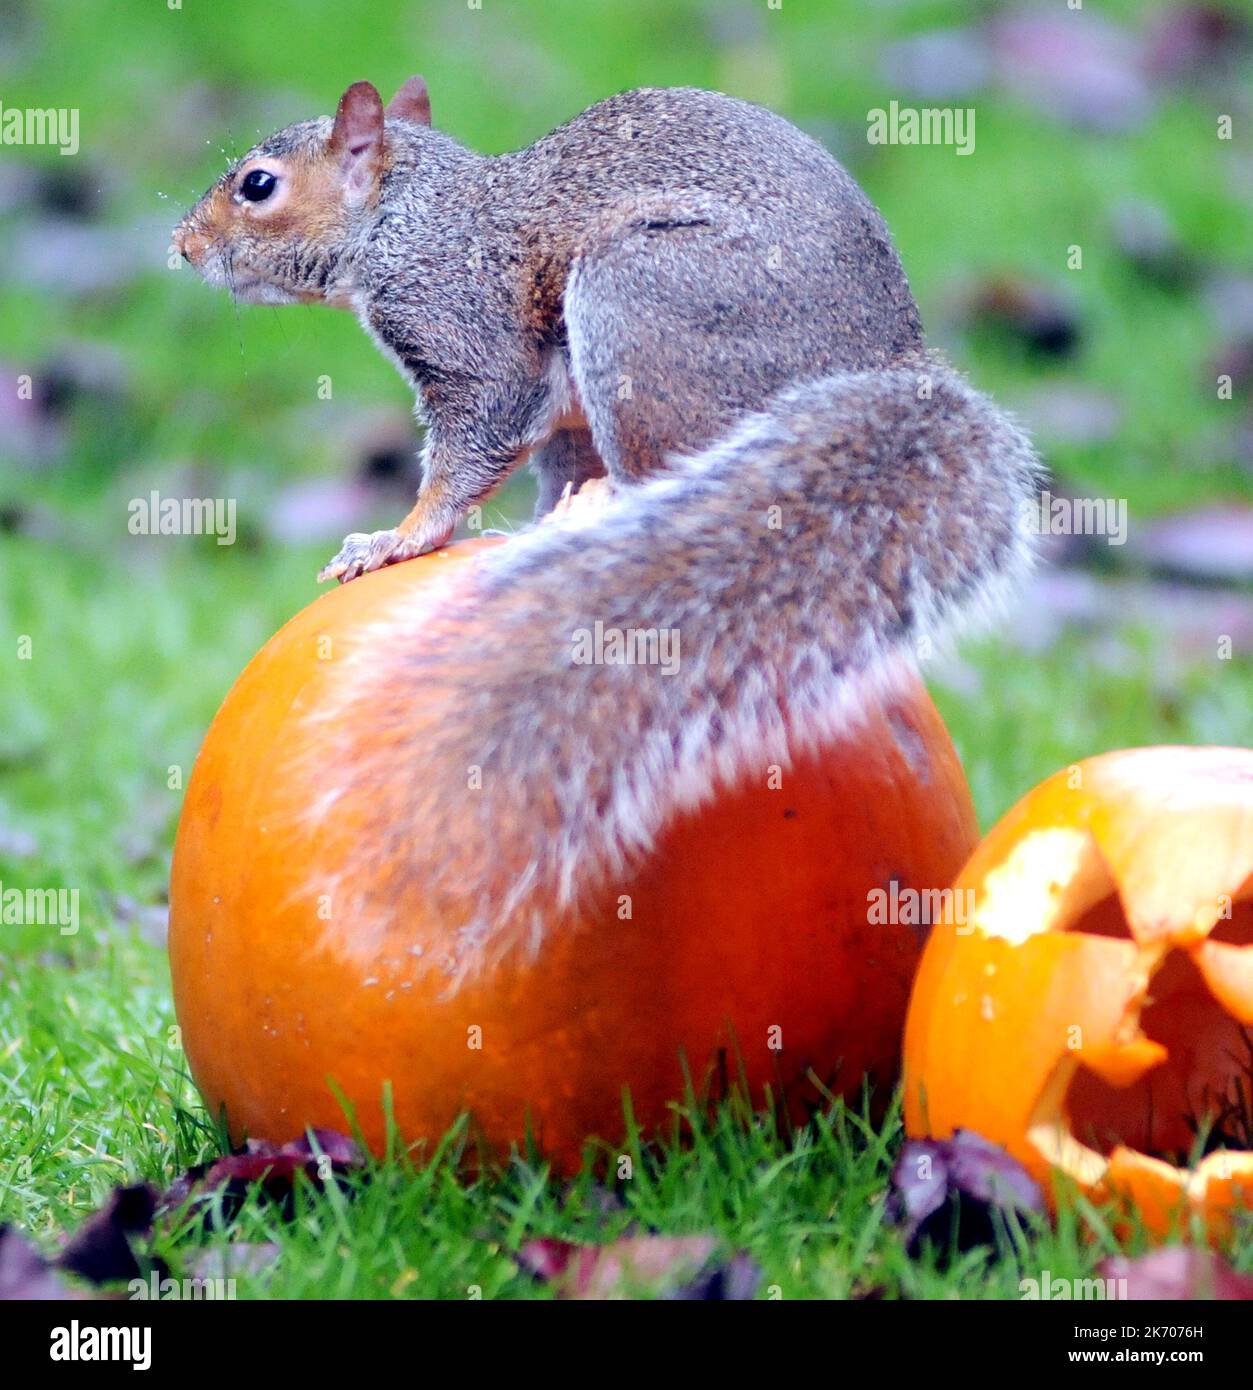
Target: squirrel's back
796,222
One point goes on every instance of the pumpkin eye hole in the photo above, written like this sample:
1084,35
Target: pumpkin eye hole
1105,918
1200,1098
1237,930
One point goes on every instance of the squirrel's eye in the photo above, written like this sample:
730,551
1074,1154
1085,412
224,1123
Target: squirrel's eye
257,185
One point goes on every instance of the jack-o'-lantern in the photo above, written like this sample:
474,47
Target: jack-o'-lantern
1088,1005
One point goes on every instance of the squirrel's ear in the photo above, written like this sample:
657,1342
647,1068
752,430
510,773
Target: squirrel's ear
412,102
357,137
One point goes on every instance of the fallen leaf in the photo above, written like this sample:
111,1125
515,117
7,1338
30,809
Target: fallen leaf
672,1267
100,1249
74,189
1061,413
1074,65
1213,544
230,1261
1177,1272
1229,298
1188,621
62,257
1191,42
967,1178
16,843
313,509
26,1275
1145,235
1040,317
1235,360
941,64
223,1185
152,920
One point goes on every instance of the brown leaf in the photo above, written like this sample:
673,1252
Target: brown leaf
1035,314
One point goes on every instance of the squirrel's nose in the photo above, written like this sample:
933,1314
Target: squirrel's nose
188,243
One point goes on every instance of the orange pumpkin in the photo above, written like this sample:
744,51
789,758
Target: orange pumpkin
748,930
1087,1005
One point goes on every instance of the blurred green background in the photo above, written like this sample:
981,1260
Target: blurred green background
1095,129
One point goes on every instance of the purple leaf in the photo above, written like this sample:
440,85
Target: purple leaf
273,1168
675,1267
25,1274
226,1262
1213,544
342,1151
1189,42
1074,65
966,1180
941,64
99,1250
983,1170
1176,1272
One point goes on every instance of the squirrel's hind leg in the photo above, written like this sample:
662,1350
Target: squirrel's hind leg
564,463
674,326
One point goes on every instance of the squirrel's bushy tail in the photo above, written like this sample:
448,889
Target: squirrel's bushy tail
788,569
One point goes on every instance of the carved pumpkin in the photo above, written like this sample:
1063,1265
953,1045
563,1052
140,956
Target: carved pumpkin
748,932
1091,1012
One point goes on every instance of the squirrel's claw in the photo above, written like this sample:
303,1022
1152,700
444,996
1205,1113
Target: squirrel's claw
364,551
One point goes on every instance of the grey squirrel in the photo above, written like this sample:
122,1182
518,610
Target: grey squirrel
682,292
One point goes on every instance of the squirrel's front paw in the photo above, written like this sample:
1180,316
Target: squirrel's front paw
365,551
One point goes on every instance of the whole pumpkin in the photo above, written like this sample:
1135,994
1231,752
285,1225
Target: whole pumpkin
743,940
1088,1006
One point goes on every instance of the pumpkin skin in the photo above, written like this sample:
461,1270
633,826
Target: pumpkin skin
750,914
1089,1011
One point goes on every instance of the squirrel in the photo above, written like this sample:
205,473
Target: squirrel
684,294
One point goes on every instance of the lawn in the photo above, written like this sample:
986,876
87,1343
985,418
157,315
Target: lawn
115,650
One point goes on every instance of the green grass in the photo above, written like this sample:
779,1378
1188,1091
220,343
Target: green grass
133,643
102,1098
94,1086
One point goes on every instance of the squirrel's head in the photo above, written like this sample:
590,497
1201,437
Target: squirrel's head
275,228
